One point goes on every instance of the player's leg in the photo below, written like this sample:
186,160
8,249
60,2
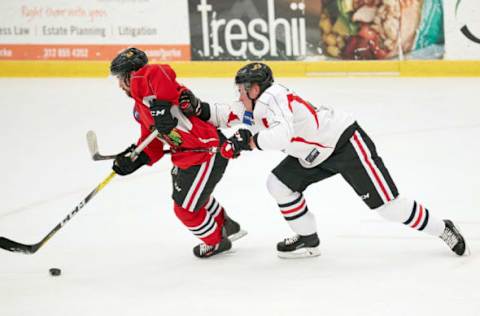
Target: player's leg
233,229
371,180
286,184
192,189
190,194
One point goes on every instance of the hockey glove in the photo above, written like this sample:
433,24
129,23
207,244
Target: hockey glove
234,145
164,121
123,164
192,106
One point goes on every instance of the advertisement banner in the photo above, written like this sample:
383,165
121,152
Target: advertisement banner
303,30
92,29
316,29
463,35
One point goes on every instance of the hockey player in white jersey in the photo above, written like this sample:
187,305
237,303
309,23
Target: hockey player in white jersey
319,142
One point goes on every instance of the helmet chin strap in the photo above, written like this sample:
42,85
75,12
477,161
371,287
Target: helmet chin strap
253,99
126,79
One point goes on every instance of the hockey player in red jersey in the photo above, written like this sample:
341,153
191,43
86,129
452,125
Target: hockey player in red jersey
195,173
320,142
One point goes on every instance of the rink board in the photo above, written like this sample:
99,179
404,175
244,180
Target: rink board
436,68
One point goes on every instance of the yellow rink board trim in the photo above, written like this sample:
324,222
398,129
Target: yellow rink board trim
227,69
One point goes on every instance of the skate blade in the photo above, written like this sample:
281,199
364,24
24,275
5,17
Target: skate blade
238,235
300,253
467,249
467,252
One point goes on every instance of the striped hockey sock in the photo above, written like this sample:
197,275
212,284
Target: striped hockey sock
412,214
216,210
296,214
201,223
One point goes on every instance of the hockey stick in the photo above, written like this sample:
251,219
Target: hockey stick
14,246
95,153
93,147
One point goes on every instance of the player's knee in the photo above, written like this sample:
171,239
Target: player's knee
277,189
182,214
394,209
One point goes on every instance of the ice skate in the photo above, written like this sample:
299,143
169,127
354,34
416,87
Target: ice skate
454,239
299,247
233,229
204,251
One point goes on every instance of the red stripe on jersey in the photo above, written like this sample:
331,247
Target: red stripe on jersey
199,184
369,163
232,117
309,107
294,209
420,215
265,122
302,140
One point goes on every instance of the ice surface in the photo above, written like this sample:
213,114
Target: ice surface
125,253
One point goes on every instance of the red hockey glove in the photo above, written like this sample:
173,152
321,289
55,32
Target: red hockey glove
190,105
234,145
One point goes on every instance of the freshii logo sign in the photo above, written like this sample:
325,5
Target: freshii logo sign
248,29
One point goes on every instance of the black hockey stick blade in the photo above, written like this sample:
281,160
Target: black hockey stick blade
14,246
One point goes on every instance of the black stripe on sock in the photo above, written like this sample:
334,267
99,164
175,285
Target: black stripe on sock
291,203
208,223
425,222
412,216
297,216
214,210
212,202
205,231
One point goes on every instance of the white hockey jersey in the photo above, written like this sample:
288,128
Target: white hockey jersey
286,122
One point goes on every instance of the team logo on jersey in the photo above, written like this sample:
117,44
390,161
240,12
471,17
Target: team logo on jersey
175,137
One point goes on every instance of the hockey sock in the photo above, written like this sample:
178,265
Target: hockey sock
216,210
201,223
292,206
412,214
296,213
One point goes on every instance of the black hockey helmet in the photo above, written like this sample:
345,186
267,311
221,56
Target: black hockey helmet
255,73
130,59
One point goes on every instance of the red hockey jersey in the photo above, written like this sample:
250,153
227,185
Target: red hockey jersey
159,82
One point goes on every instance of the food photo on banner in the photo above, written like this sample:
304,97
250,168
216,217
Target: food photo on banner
316,29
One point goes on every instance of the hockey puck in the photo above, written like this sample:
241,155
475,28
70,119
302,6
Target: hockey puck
55,271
